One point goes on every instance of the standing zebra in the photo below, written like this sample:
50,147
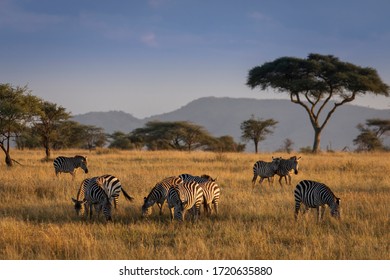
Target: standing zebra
285,168
211,194
94,196
112,187
199,179
264,170
70,164
315,195
158,194
188,195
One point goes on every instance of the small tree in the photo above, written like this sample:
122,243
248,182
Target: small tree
256,130
49,119
370,135
17,108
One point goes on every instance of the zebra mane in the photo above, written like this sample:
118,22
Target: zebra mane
82,157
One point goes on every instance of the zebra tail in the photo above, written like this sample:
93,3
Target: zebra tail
127,196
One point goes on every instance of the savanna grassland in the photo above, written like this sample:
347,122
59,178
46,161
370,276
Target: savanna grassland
37,219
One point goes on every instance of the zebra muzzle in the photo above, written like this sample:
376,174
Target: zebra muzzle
296,172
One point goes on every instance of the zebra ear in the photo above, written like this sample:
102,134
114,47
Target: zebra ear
338,200
74,200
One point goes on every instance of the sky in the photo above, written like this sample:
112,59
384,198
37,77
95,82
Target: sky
147,57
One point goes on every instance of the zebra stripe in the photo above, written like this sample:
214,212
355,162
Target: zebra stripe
70,164
112,186
264,170
199,179
181,198
211,194
96,197
286,166
158,194
315,195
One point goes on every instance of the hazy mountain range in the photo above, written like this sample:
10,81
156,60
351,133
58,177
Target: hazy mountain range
223,116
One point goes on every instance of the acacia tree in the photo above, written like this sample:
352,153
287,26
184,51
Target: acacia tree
370,135
179,135
50,117
17,107
313,82
256,130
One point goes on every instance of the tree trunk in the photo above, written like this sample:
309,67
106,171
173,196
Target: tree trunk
48,152
317,140
256,144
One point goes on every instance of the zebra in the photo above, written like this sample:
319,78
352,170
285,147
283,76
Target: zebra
264,170
181,198
94,196
158,194
199,179
285,167
112,187
70,164
315,195
211,194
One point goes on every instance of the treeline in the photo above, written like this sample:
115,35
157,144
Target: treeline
32,122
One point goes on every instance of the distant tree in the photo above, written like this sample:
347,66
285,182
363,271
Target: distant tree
313,82
180,135
225,143
256,130
287,145
49,118
71,135
94,137
370,135
120,140
17,108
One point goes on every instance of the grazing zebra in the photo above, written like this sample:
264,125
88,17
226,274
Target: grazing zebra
158,194
315,195
181,198
94,196
81,196
285,168
264,170
211,194
199,179
70,164
112,187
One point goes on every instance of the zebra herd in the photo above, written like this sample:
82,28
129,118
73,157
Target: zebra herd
186,193
311,194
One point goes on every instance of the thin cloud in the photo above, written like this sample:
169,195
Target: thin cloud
149,39
13,17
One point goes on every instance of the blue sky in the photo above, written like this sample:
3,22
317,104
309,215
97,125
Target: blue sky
147,57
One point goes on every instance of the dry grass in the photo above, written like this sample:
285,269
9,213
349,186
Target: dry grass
37,220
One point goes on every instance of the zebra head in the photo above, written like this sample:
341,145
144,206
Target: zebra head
78,206
275,163
209,178
335,208
180,210
294,161
147,207
83,163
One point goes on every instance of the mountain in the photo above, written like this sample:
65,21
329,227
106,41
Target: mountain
223,116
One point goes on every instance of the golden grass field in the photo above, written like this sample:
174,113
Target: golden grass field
37,219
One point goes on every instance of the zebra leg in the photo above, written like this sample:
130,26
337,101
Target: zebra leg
254,180
321,216
116,201
215,203
160,205
297,206
280,180
289,179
